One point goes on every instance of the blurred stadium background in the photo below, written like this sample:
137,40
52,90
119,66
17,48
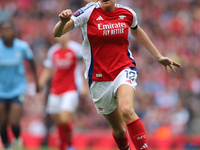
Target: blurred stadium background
168,104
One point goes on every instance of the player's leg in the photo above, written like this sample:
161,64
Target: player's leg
117,123
61,131
3,124
15,115
53,108
14,118
106,103
61,109
68,106
65,118
64,127
125,96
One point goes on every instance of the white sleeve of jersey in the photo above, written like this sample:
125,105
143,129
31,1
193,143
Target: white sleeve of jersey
76,47
81,16
135,21
79,78
48,62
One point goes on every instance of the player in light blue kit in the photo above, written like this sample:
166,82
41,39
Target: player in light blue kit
12,82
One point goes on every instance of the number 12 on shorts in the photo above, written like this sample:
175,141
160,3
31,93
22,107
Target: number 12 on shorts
130,74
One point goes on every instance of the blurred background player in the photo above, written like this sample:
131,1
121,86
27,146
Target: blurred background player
64,62
12,82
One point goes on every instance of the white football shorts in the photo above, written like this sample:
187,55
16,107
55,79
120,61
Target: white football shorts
67,101
104,93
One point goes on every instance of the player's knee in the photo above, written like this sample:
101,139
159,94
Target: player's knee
64,120
65,117
14,122
127,112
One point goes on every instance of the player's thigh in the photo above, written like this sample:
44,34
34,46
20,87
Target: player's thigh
15,113
103,97
125,84
3,112
61,107
125,96
69,103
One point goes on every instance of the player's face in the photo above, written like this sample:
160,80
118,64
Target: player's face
7,32
108,5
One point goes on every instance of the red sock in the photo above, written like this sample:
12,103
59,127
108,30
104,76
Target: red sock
62,136
137,133
69,133
122,143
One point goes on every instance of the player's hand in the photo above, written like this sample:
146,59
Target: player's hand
65,15
166,62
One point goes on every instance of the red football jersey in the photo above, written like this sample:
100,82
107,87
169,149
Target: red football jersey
64,63
64,67
105,46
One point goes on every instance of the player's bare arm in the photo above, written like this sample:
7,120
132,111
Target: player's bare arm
142,37
65,24
45,76
33,67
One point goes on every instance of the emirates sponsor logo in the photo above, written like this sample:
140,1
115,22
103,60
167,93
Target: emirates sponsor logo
111,26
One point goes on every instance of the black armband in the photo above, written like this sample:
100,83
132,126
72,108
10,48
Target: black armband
134,28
